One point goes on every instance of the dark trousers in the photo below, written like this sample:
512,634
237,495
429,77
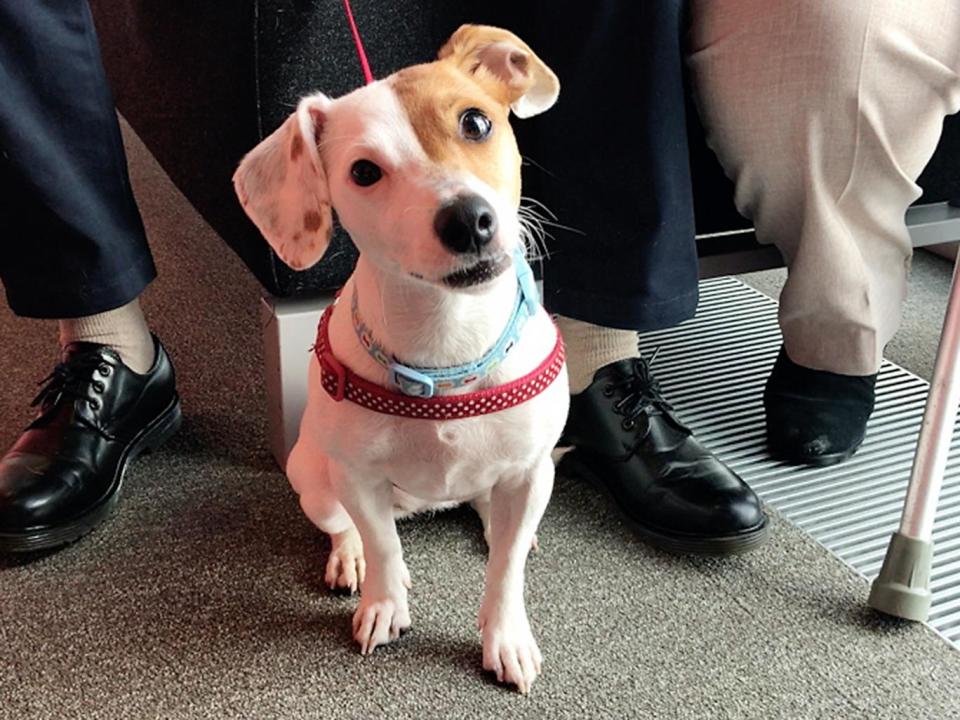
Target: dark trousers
611,161
71,238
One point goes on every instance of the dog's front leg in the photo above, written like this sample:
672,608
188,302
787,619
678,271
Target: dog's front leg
516,506
383,612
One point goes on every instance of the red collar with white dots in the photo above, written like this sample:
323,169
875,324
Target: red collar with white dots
344,384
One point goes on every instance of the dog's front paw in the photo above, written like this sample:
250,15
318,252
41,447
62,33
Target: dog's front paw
509,649
345,566
379,620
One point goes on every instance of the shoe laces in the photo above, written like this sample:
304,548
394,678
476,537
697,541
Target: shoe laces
69,380
641,395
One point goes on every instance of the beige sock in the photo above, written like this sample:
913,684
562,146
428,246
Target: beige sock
123,329
590,347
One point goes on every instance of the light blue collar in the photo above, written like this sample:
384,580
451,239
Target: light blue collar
425,382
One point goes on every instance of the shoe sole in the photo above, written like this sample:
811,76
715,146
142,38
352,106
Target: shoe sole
817,461
161,429
573,465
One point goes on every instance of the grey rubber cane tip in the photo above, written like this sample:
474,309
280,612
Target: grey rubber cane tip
902,588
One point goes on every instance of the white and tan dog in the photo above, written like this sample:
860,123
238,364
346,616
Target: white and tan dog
423,170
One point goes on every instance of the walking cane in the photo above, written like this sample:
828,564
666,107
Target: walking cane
902,588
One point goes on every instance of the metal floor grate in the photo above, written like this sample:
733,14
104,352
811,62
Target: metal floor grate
713,369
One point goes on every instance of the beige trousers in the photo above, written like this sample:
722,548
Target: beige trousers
824,112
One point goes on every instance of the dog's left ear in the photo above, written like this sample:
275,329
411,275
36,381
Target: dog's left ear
282,186
503,63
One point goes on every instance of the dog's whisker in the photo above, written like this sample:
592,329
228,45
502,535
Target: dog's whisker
530,215
565,227
560,226
530,161
536,229
531,212
538,244
539,204
534,237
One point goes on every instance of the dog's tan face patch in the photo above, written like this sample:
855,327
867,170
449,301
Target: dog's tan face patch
408,127
434,96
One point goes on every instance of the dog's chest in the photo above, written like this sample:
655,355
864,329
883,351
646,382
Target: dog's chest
440,461
456,460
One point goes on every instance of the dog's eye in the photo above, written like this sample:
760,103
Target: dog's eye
365,173
475,126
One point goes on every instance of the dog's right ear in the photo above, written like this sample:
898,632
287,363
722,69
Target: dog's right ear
283,187
505,64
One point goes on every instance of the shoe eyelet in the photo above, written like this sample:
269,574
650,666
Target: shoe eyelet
628,424
98,386
94,404
608,390
104,369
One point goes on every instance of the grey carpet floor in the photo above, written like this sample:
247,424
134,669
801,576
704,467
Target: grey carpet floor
202,596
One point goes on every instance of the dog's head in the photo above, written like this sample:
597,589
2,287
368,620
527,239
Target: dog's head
422,167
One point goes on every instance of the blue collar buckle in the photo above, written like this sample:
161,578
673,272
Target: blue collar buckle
409,381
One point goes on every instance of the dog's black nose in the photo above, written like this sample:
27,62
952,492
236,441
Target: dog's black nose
466,224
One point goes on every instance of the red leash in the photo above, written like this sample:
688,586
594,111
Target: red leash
361,53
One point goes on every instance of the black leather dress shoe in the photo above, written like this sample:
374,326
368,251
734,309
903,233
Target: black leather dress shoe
63,476
672,490
815,417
